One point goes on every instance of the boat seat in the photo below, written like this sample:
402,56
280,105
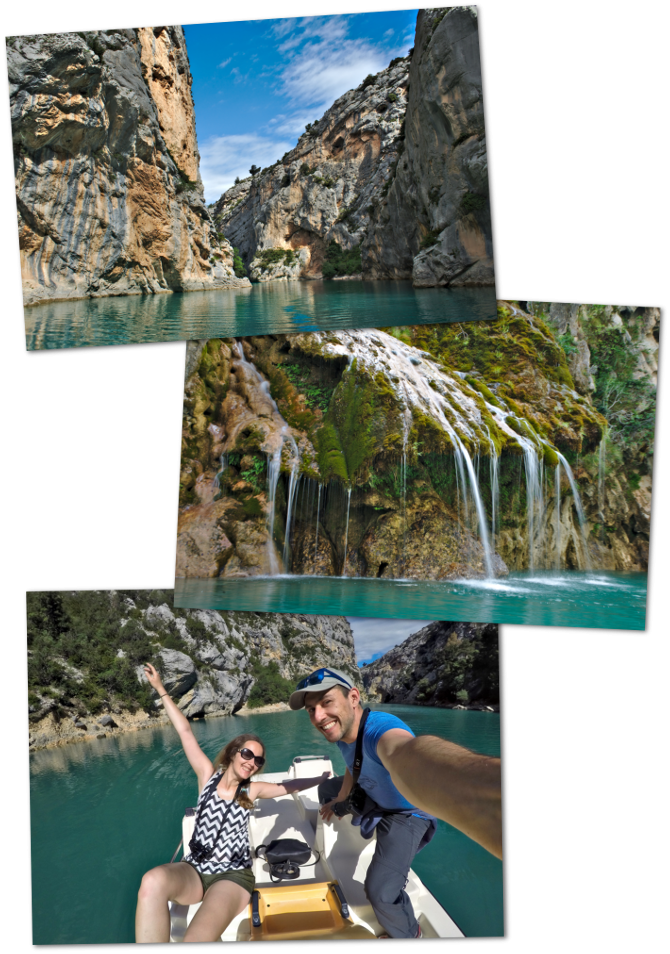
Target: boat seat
308,801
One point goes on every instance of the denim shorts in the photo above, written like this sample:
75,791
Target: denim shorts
242,876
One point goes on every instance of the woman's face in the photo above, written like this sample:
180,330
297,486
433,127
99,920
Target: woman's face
247,767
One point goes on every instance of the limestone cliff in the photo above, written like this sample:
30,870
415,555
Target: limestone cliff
86,652
432,451
109,197
394,173
436,222
443,664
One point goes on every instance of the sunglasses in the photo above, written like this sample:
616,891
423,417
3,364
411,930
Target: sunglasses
317,677
249,756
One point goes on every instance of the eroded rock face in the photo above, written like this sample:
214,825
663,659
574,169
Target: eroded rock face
109,197
443,664
436,225
397,166
327,187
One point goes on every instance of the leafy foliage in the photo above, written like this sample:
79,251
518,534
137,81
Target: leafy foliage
269,686
340,262
238,264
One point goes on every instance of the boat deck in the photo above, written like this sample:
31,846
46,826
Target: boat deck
307,907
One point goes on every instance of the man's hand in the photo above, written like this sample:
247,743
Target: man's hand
326,811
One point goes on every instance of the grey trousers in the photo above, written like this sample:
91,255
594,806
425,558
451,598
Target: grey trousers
398,837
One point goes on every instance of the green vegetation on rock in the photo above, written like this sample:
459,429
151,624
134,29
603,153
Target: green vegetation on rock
340,262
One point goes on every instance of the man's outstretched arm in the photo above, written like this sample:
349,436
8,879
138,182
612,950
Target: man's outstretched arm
448,781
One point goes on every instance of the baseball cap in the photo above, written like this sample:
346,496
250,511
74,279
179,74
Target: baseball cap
318,681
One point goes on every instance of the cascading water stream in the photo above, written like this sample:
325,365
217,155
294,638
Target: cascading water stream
223,464
578,507
557,491
274,459
346,533
495,488
316,536
602,462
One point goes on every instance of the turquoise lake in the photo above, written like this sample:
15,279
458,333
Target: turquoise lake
600,600
267,308
104,812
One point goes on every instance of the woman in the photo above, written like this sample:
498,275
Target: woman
217,868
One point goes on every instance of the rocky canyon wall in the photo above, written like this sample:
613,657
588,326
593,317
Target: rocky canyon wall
109,197
394,172
444,664
210,662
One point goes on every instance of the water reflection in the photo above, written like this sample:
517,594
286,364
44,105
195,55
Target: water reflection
281,307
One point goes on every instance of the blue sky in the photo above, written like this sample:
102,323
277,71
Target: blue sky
257,83
374,637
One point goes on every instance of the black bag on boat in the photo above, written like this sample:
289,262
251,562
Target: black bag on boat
285,856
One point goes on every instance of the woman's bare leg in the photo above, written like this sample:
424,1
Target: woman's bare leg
223,901
175,882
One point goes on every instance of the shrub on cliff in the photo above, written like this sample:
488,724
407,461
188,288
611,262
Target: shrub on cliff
238,264
269,685
340,262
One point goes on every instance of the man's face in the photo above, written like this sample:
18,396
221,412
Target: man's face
331,712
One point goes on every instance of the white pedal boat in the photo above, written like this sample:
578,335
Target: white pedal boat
327,901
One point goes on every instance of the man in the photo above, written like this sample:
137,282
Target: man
410,779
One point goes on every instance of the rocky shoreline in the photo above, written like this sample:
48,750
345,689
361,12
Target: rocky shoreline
48,734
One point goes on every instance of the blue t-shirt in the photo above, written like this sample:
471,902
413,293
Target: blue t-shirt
374,778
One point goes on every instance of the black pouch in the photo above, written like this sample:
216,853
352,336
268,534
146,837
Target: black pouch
285,857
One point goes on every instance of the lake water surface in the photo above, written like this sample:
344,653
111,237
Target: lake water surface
266,308
601,600
104,812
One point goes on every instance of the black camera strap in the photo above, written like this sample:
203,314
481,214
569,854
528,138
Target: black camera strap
212,788
358,754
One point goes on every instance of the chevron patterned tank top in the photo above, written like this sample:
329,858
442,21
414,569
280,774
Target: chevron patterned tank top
232,849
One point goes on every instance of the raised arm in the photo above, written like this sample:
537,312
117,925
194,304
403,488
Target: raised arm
287,787
198,761
448,781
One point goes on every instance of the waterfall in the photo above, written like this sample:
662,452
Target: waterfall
495,489
534,501
274,466
557,491
316,541
293,482
223,464
602,461
578,507
481,516
346,533
406,426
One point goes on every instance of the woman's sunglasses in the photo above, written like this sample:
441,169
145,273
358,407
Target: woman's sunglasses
249,756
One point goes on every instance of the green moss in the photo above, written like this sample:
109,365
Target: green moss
330,454
483,389
550,456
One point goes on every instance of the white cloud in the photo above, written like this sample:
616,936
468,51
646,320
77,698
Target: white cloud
374,636
222,158
324,62
225,63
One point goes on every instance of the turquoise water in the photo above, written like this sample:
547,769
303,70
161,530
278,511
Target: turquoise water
600,600
104,812
270,308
